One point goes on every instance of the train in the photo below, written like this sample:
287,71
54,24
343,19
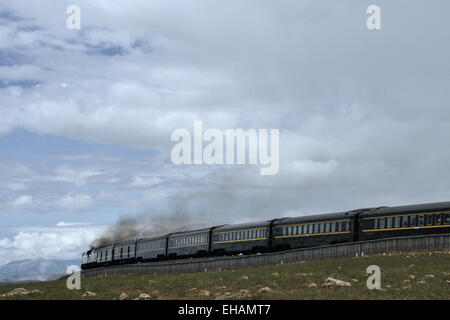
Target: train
277,235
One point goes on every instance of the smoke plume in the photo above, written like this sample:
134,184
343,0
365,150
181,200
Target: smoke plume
141,226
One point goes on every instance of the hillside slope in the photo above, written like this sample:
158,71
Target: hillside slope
403,276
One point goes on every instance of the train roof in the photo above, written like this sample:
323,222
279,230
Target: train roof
152,238
126,242
316,217
188,232
410,208
243,226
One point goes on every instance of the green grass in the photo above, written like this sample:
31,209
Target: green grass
403,276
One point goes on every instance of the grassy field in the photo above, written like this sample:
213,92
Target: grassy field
403,276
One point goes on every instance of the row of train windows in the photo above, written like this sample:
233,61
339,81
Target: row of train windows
412,221
123,252
242,235
151,245
339,226
105,256
191,240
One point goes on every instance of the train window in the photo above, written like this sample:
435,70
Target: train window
291,230
322,227
429,219
389,223
328,227
397,222
299,229
405,221
421,220
101,255
438,219
309,228
333,227
106,255
413,221
380,223
446,218
316,228
347,224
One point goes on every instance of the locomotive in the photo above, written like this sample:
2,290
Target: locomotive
278,234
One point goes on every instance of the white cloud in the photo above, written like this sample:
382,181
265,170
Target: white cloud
48,243
23,201
144,182
72,224
16,186
74,202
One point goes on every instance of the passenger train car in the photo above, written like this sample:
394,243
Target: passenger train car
278,234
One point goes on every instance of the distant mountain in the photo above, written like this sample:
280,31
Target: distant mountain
34,270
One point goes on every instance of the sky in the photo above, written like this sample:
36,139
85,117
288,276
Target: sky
86,115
